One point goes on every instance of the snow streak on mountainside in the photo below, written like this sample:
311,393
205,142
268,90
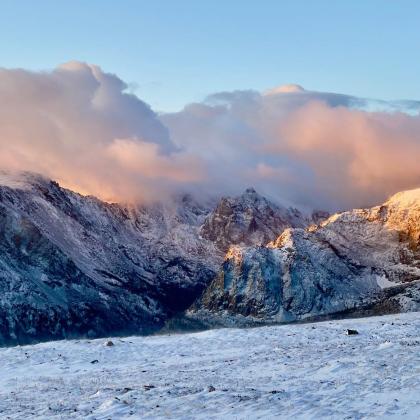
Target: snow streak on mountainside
358,260
73,265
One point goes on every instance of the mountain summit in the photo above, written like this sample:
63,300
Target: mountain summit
249,219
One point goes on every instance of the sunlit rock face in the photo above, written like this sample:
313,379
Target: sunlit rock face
355,260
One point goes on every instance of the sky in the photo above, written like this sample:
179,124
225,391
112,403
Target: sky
172,53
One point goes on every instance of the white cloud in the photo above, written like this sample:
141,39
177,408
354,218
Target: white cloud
78,125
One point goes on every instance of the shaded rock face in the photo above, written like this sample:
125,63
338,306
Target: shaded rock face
353,261
319,216
73,265
49,297
249,219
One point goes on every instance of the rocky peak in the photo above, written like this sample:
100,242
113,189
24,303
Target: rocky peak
248,219
405,199
250,191
402,213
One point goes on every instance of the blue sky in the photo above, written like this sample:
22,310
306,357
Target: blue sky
175,52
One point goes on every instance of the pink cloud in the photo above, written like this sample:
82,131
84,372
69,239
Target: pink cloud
78,125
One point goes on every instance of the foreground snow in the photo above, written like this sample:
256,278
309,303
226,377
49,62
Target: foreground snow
301,371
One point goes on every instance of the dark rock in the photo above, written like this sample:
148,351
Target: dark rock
319,216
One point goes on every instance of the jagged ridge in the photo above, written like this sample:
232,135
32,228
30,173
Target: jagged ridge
73,265
355,260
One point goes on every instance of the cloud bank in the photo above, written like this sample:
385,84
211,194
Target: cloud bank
80,126
313,149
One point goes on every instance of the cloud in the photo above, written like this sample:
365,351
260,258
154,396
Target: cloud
81,126
291,88
78,125
312,149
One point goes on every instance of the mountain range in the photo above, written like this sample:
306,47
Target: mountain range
72,265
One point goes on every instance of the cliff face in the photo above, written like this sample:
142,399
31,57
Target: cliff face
353,261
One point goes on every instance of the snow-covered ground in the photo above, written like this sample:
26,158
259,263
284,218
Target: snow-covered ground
290,371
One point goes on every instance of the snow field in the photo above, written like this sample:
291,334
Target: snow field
289,371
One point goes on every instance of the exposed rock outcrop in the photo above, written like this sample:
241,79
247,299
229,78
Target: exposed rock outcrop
353,261
249,219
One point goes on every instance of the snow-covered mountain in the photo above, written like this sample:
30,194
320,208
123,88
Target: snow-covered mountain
74,265
360,260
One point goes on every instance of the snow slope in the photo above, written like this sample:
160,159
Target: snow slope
300,371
